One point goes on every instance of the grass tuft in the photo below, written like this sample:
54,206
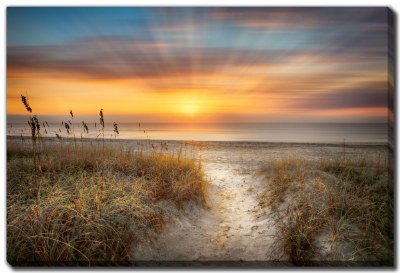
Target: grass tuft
82,218
340,210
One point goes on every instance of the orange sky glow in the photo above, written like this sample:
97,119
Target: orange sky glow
226,68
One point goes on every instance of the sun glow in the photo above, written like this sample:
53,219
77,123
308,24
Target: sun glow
190,106
161,70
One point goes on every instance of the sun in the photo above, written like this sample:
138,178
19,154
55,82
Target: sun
190,106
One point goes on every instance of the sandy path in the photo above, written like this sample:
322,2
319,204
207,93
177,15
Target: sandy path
242,233
233,228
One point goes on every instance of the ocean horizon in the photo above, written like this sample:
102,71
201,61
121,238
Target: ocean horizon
250,132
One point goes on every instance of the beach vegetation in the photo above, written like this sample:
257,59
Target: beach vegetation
97,200
337,210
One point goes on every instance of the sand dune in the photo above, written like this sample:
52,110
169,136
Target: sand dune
235,228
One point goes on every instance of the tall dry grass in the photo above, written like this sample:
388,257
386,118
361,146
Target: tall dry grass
82,219
94,202
332,211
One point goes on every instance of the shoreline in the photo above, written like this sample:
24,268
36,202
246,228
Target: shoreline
217,142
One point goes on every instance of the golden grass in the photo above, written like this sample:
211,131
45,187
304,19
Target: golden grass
81,215
344,206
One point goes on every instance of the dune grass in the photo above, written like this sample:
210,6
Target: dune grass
90,211
332,211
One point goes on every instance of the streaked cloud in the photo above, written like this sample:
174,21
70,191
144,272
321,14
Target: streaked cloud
272,58
369,95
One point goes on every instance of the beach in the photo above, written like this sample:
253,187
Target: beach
235,228
232,225
200,136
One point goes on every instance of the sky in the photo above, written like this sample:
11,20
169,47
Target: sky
200,64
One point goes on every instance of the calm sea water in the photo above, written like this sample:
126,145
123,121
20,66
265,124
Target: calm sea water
260,132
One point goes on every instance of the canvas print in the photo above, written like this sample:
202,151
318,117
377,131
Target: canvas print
200,136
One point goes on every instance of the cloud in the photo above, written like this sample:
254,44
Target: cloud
367,95
340,44
299,18
111,58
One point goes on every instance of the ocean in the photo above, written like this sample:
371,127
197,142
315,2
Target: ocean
254,132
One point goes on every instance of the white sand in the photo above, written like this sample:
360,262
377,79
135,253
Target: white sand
233,228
